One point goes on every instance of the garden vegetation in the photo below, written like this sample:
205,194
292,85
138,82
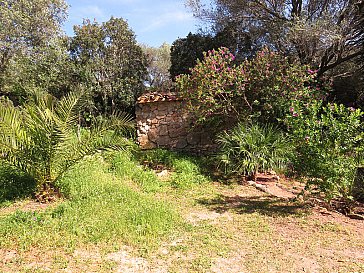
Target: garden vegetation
267,93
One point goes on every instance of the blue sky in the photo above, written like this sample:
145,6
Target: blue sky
153,22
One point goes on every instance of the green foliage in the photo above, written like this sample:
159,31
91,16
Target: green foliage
14,184
322,37
248,149
39,137
101,208
128,168
187,173
329,140
159,62
32,58
157,157
263,88
110,66
187,170
186,51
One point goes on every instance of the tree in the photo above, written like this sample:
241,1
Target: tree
30,45
159,62
110,66
323,34
186,51
40,137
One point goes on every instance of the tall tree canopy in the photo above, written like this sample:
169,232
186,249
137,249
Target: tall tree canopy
320,33
31,44
186,51
159,62
110,66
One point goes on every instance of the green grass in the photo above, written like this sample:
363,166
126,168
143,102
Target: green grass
14,184
100,207
187,171
117,211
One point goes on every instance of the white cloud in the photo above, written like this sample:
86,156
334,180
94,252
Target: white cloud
167,18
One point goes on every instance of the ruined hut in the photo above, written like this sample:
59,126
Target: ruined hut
163,121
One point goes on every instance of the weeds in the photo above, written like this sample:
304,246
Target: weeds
14,184
187,170
101,207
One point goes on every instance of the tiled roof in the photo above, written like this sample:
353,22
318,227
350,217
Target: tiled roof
157,96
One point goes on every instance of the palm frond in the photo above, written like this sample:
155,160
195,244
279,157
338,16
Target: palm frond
247,149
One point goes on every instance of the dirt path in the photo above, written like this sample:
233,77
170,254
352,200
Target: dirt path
251,231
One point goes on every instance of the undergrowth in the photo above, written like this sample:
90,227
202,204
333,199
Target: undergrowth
14,184
100,207
187,171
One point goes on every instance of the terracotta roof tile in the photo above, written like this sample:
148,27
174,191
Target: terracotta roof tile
157,96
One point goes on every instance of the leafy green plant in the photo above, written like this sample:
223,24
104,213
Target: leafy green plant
329,140
248,149
14,184
222,92
40,137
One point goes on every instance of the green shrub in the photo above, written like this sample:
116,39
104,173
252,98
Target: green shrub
39,137
329,142
222,93
248,149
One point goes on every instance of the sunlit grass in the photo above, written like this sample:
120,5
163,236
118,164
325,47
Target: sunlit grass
100,207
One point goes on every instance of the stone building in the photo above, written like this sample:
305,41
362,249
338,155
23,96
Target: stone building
163,121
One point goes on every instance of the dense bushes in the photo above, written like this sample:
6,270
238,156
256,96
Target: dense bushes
260,89
329,145
40,137
328,138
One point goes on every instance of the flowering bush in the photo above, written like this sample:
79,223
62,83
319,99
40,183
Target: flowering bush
218,89
214,86
329,143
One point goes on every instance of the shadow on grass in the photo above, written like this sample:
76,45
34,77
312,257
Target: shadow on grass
255,204
14,184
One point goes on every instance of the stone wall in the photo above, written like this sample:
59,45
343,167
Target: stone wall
166,123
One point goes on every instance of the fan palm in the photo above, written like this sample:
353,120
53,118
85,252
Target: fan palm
40,137
248,149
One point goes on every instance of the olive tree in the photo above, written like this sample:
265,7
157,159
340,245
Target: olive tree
159,62
324,34
32,48
110,66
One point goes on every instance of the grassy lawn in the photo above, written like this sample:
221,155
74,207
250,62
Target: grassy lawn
119,215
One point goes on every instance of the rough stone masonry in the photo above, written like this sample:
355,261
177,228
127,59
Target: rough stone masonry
163,121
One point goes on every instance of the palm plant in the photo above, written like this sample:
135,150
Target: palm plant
40,138
248,149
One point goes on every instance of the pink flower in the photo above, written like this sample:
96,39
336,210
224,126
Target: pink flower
312,71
